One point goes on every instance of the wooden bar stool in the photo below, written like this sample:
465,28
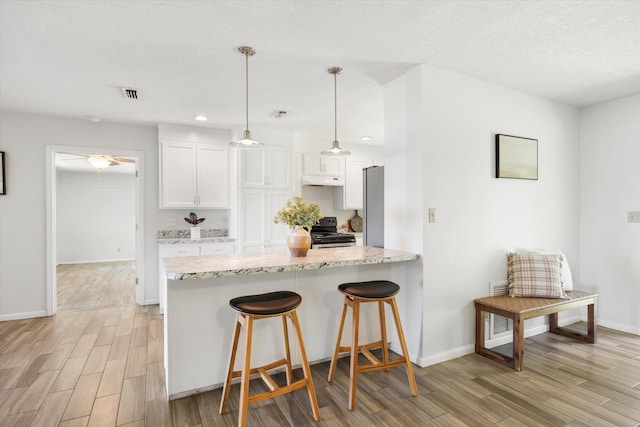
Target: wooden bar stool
380,291
254,307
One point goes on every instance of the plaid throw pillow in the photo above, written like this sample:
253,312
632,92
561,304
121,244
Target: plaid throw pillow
535,275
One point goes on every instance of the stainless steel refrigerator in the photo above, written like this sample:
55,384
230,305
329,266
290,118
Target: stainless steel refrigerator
373,200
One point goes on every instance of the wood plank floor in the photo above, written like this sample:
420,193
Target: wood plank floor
95,285
103,367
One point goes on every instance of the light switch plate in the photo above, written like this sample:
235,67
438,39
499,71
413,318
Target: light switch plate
432,215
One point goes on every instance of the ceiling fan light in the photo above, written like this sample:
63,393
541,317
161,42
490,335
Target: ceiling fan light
99,162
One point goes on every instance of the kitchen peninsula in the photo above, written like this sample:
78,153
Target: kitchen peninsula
198,321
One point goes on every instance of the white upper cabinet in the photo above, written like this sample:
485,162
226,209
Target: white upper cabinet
316,164
213,176
350,197
194,175
268,167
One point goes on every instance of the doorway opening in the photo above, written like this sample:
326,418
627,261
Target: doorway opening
95,253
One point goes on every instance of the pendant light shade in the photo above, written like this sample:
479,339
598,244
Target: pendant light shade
246,141
335,149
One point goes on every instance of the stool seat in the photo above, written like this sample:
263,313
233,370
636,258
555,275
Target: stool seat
371,289
266,304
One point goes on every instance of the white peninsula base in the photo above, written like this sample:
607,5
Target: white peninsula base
199,323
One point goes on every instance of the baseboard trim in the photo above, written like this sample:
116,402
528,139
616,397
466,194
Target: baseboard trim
619,327
95,261
26,315
469,349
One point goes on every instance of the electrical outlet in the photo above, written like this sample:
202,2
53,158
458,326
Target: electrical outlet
432,215
633,216
171,222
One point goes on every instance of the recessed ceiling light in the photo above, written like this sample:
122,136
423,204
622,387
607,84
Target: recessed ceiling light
201,118
366,138
93,119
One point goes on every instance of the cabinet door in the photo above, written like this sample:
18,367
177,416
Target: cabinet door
268,167
278,167
179,250
221,248
213,176
252,167
276,233
332,165
178,171
252,219
353,183
316,164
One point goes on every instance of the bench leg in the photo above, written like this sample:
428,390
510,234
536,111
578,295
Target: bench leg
518,342
489,353
589,337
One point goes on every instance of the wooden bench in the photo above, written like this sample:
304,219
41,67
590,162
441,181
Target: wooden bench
519,309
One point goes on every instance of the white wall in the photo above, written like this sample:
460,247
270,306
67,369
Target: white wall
609,188
22,210
448,121
95,217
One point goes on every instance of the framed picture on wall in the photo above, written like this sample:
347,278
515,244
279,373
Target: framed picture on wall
3,182
516,157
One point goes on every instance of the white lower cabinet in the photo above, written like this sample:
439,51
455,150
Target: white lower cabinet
258,233
183,250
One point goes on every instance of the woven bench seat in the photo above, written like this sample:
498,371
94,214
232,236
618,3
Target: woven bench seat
519,309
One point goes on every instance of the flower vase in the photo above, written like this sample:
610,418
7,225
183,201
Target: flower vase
299,241
195,233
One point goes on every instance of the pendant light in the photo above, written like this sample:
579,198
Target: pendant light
246,141
335,149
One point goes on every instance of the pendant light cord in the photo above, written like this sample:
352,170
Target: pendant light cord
246,75
335,106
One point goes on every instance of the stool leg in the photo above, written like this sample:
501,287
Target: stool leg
334,359
305,369
287,350
353,371
383,333
403,344
246,372
232,359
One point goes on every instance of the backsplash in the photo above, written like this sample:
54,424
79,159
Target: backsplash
185,234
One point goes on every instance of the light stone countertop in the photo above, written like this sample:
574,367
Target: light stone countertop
205,267
188,241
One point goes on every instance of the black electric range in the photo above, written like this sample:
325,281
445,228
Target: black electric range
325,235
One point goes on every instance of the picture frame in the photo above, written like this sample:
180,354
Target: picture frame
516,157
3,182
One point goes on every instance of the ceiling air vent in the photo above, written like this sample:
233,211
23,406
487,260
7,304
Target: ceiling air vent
129,93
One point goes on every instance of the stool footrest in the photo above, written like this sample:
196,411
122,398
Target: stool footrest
278,391
268,367
364,368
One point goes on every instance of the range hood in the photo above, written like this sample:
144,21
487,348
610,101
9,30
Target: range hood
323,180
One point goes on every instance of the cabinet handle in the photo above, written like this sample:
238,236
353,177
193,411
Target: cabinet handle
194,200
198,200
267,180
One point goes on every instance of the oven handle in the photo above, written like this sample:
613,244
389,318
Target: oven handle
332,245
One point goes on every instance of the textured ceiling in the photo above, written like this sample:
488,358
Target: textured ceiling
71,57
